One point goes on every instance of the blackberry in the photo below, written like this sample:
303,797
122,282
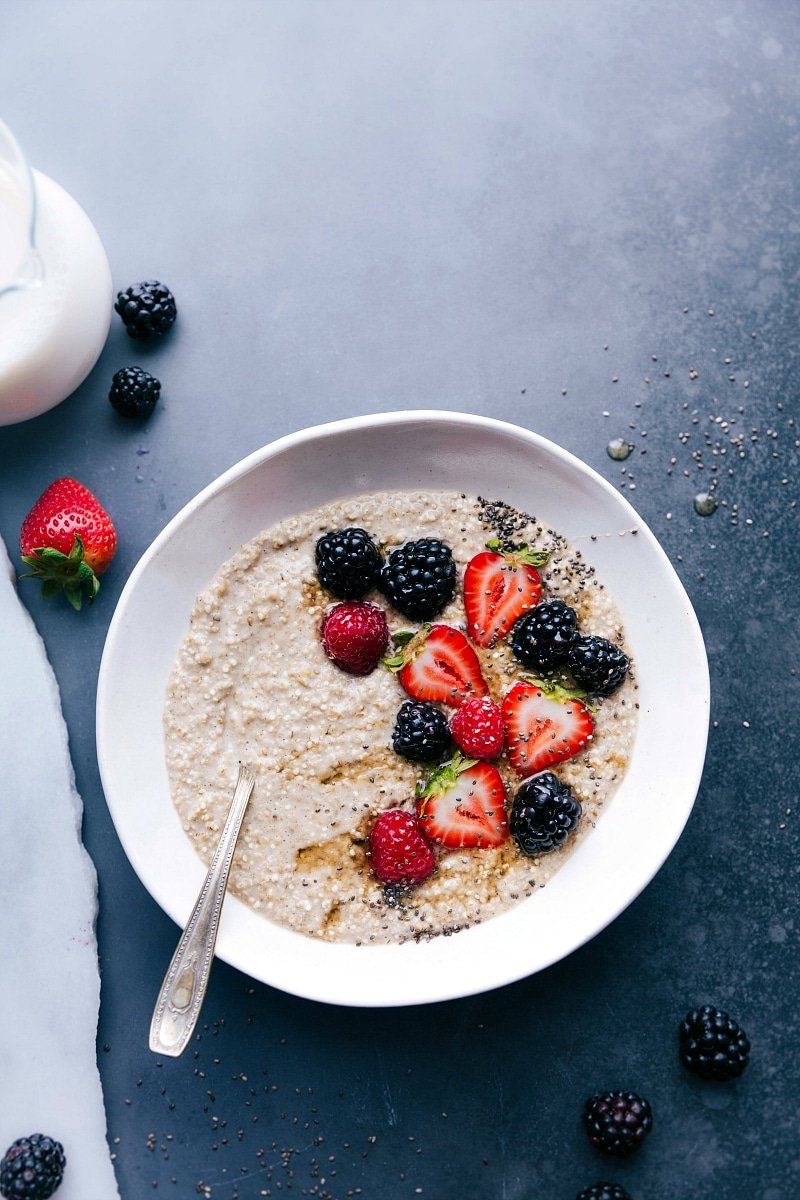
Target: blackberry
597,664
147,309
134,392
348,563
419,579
617,1122
32,1168
543,814
542,637
603,1191
421,732
712,1044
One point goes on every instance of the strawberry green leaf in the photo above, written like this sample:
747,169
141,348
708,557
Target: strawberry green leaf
520,554
554,691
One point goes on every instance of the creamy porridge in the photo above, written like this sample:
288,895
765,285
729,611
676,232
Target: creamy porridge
252,682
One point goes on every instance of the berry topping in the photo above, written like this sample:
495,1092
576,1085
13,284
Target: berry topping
544,725
604,1191
597,664
499,588
463,804
348,563
617,1122
134,392
543,814
421,732
355,635
437,663
147,309
32,1168
477,728
542,637
419,579
398,851
712,1044
68,539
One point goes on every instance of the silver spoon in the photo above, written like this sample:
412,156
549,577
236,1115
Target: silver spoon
184,987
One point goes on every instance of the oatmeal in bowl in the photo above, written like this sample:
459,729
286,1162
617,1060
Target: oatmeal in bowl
458,783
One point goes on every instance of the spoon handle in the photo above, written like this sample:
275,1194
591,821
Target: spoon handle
181,996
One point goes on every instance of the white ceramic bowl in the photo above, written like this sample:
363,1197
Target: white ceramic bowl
413,450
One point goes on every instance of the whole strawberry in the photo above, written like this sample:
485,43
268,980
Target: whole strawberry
355,635
477,728
399,852
67,540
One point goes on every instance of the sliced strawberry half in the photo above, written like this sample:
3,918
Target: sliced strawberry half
544,725
437,664
463,804
499,588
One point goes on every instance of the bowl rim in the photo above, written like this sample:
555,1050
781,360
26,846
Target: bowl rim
179,908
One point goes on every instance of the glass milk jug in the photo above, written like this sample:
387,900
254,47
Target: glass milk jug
55,289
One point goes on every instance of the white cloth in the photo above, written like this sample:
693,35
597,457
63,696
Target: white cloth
49,977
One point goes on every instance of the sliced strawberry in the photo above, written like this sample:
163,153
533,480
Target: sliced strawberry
463,804
499,588
437,664
543,725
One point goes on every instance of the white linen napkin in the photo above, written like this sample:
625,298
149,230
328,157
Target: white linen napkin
49,976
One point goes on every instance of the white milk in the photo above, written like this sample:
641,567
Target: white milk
52,332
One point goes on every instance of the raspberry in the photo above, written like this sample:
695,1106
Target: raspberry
355,635
477,728
712,1044
617,1122
398,850
134,392
147,309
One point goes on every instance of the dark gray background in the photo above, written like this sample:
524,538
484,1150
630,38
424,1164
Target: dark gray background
578,216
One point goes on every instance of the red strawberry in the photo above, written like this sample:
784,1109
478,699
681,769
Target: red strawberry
437,663
463,804
68,539
477,728
398,851
499,588
355,635
544,725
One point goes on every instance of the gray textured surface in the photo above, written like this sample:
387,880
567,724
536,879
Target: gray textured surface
368,206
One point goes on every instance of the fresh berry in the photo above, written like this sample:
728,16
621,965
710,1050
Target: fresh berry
438,664
134,392
463,804
544,725
398,851
543,814
712,1044
355,635
419,578
147,309
32,1168
499,588
67,540
597,664
617,1122
421,732
604,1191
477,728
542,637
348,563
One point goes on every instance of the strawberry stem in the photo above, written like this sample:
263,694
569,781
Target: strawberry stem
67,573
520,555
407,644
554,691
444,777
